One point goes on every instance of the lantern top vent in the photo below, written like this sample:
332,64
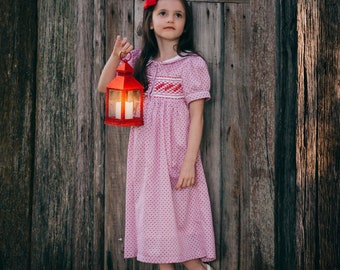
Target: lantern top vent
125,68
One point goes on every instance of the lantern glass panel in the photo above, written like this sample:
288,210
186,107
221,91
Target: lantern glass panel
133,99
114,103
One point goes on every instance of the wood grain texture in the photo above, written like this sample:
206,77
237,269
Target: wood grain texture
55,159
328,144
62,226
83,217
262,134
285,146
55,141
98,136
317,136
234,137
308,19
17,110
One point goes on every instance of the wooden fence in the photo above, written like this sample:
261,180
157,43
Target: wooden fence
271,145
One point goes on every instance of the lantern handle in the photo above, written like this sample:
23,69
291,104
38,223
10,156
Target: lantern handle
127,57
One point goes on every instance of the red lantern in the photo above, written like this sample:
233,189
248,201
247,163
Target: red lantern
124,98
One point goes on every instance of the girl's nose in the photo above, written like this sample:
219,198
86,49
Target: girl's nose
170,18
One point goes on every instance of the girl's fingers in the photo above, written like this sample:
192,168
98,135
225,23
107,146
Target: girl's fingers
118,42
123,42
122,46
126,47
179,184
190,182
183,183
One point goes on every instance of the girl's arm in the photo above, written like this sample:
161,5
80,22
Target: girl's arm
122,46
187,172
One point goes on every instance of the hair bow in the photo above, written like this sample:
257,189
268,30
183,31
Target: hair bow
149,3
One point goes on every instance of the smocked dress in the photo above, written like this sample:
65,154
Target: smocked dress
164,225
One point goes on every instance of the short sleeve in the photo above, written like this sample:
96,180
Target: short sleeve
196,79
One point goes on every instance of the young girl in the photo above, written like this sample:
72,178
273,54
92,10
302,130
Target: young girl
168,214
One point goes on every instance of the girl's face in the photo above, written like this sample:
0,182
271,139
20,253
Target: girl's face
168,20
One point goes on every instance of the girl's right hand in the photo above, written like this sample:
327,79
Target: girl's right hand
121,47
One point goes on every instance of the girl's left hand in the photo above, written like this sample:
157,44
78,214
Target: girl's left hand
186,175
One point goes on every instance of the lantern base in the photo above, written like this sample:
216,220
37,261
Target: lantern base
124,123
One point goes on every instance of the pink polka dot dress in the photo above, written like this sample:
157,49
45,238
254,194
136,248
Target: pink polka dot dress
164,225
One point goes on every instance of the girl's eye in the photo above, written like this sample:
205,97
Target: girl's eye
179,15
162,13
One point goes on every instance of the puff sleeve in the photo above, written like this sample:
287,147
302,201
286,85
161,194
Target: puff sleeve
196,79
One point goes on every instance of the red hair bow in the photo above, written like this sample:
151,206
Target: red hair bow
149,3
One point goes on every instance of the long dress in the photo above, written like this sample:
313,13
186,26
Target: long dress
164,225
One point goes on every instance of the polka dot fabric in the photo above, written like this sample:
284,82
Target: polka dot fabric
164,225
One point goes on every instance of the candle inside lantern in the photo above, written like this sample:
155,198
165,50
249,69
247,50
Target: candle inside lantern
128,110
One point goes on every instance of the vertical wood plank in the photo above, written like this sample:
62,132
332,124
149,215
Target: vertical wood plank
98,136
62,229
262,133
313,241
235,248
17,103
285,148
328,134
306,156
208,41
82,229
52,235
318,136
119,21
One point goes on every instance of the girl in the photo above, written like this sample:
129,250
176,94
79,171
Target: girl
168,214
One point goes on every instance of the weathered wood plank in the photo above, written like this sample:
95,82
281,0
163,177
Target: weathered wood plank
328,130
119,21
208,41
64,175
306,155
17,104
82,246
55,148
262,134
285,148
318,140
98,137
235,248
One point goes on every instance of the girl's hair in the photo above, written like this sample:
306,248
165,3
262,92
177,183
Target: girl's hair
149,42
